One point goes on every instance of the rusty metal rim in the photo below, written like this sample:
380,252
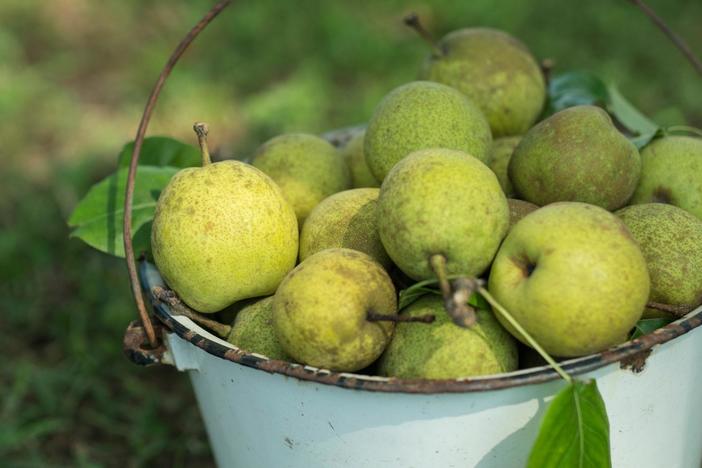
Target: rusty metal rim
620,353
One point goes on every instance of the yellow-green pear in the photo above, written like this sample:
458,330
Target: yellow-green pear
496,71
671,241
421,115
672,173
573,277
253,330
441,202
346,219
307,168
321,310
222,233
352,153
500,154
442,350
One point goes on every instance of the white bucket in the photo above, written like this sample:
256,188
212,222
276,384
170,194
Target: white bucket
262,413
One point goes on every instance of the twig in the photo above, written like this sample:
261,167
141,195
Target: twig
455,300
672,35
179,308
201,130
141,133
376,317
547,66
532,342
676,310
412,20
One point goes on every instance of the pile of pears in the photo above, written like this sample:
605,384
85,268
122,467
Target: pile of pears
572,229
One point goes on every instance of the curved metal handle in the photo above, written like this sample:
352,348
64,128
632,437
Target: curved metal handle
137,349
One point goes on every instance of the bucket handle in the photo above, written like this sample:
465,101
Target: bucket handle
137,348
147,325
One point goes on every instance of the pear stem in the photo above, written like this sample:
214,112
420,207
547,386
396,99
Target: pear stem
202,130
179,308
455,299
412,20
438,265
376,317
532,342
676,310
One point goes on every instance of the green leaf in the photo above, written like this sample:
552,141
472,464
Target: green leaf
575,430
478,301
574,89
98,217
642,140
430,286
646,326
628,115
417,290
161,151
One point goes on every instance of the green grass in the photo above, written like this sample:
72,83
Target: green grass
79,73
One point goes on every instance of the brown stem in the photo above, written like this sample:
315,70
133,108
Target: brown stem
179,308
463,314
676,310
202,130
546,66
412,20
376,317
138,141
672,35
455,298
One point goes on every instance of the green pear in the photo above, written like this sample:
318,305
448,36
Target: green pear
573,277
496,71
352,153
253,330
421,115
222,233
346,219
672,173
576,154
671,241
518,209
442,350
441,202
321,310
500,154
307,168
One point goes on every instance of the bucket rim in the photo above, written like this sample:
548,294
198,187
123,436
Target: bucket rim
630,354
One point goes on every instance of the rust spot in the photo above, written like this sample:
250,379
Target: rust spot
635,362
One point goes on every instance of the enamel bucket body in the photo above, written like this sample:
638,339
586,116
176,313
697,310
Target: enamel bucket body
263,413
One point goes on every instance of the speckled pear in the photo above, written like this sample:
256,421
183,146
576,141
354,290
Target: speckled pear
577,155
307,168
253,330
500,154
346,219
442,350
496,71
672,173
353,154
320,310
222,233
441,202
671,241
421,115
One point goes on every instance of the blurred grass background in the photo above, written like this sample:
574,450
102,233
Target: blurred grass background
74,76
